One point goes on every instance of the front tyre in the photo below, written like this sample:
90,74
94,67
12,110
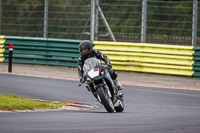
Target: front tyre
106,101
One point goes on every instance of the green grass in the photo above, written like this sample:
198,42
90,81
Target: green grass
13,102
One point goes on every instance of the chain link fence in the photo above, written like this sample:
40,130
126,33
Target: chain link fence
65,18
170,22
167,21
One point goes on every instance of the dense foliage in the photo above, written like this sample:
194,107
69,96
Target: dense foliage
68,18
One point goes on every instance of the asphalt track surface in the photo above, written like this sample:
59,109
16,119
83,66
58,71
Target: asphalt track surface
147,109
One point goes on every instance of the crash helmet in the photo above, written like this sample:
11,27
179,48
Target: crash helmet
85,48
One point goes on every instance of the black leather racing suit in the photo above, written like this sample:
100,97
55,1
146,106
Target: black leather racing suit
97,54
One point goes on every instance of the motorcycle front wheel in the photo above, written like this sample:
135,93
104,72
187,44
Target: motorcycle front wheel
106,101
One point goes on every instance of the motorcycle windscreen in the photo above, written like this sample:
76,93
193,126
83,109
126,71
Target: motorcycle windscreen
90,64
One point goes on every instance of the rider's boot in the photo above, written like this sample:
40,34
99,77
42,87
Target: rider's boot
119,87
117,84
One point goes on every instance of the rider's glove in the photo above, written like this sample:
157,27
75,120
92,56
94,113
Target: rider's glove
82,80
109,66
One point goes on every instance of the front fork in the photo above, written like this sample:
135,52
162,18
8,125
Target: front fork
93,87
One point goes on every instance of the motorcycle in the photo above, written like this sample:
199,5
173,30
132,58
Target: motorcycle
100,84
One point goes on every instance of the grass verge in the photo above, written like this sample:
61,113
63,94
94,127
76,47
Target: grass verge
13,102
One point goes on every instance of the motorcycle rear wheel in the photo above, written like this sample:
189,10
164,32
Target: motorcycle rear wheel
106,101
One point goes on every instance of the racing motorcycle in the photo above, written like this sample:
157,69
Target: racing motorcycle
100,84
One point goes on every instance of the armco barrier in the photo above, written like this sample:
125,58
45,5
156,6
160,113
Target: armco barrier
196,65
2,49
152,58
142,57
45,51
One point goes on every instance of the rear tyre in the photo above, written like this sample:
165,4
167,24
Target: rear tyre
106,101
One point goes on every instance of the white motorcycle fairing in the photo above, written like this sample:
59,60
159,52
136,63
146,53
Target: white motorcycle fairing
93,73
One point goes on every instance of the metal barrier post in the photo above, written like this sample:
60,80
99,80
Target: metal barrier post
144,17
46,18
194,22
93,20
0,14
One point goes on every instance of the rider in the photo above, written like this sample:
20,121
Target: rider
86,51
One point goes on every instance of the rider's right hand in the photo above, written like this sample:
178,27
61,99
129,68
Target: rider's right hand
82,80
